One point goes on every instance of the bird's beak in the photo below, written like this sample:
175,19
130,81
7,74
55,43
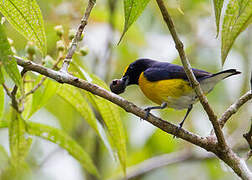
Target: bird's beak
118,86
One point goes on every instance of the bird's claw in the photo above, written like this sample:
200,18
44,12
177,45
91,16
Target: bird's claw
177,130
147,114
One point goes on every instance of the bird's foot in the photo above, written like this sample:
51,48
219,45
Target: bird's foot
182,122
147,113
178,129
148,109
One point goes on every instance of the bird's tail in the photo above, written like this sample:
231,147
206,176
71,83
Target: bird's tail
219,76
207,83
226,73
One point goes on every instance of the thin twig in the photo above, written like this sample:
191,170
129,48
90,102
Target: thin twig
36,87
14,101
14,91
157,162
248,155
248,137
251,82
192,79
60,58
7,90
164,160
77,36
234,108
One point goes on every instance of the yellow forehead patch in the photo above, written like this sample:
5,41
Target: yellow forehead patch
125,70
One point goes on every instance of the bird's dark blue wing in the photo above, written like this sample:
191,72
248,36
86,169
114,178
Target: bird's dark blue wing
162,71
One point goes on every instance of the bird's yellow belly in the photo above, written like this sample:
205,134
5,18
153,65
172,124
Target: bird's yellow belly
177,93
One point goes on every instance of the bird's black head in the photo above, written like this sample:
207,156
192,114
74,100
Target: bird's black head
131,75
133,71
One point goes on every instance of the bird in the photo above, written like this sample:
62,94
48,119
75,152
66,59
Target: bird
167,84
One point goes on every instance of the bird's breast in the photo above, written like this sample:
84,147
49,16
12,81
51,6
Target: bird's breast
177,93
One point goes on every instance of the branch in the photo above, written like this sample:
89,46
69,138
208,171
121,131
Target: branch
164,160
157,162
208,144
12,94
234,108
35,87
7,90
77,36
251,82
192,79
248,138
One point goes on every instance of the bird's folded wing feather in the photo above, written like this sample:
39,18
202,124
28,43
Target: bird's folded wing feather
164,71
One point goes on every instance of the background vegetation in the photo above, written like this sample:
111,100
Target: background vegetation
83,134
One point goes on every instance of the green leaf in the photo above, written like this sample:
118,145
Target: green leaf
42,95
237,18
19,143
66,142
247,24
218,4
1,101
132,10
9,63
22,172
25,16
74,97
110,114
